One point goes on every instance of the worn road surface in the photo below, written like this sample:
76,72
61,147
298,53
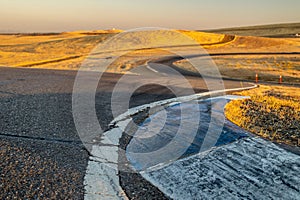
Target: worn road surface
41,155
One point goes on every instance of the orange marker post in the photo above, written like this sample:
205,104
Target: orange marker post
256,78
280,79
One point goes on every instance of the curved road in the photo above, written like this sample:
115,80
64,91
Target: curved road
41,153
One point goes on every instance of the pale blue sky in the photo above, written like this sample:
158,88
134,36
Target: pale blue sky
66,15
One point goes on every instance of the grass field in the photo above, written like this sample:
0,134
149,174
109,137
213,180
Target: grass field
272,30
64,51
272,112
246,56
68,50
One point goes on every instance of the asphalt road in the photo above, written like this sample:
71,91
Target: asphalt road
41,155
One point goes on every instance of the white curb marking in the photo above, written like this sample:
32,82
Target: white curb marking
101,180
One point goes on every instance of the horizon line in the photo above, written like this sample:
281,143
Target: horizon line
11,32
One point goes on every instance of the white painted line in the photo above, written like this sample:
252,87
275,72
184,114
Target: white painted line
101,180
151,69
138,109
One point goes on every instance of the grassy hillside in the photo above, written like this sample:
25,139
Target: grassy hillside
271,30
270,57
68,50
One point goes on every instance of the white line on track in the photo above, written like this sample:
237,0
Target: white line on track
101,179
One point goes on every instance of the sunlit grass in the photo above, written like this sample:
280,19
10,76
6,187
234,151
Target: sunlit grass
68,51
271,112
42,51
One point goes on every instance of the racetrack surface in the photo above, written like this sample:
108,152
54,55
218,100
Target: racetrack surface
41,153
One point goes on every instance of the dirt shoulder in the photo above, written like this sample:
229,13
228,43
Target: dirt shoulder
272,112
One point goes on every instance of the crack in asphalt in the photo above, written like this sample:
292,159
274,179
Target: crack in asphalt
11,93
106,161
52,140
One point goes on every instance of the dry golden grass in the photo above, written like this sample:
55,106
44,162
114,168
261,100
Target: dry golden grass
272,112
271,30
244,44
269,67
203,38
68,50
28,39
44,51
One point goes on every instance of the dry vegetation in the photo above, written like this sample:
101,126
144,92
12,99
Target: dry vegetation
65,51
68,50
272,30
272,112
243,57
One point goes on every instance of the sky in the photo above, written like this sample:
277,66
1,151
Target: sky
70,15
